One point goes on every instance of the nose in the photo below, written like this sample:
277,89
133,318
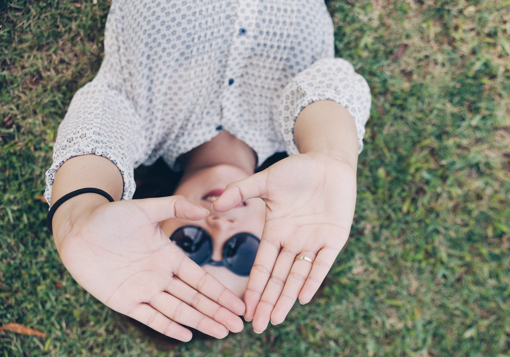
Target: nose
221,221
220,227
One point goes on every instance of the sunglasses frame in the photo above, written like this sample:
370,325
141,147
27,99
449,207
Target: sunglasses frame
209,260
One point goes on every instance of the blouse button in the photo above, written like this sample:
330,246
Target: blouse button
219,127
242,31
230,81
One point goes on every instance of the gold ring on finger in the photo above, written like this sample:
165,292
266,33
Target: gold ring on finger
302,257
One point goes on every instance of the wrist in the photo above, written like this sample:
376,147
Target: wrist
76,173
328,128
334,158
339,154
71,212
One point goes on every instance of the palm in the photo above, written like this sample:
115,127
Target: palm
120,255
310,190
310,200
109,264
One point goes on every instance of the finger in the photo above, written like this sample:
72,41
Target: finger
203,304
149,316
180,312
240,191
193,275
321,266
160,209
295,281
273,290
260,274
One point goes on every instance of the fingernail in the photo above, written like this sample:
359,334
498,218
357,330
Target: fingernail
207,212
245,319
272,323
212,208
258,333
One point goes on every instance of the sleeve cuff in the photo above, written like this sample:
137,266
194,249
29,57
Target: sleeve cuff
303,103
126,170
328,79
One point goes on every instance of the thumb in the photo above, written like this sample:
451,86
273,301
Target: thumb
160,209
240,191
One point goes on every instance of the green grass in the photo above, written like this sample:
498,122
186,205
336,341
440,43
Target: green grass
427,269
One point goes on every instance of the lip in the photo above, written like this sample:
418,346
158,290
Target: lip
218,192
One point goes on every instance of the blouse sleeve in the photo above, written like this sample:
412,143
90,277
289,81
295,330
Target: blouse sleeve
327,79
101,120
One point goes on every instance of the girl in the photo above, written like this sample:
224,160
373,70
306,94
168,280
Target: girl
214,87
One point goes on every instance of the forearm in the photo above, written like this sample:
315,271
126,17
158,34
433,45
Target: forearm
80,172
327,127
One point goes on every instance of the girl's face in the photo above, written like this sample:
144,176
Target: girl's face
248,217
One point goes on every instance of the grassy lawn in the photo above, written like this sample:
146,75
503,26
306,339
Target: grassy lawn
426,271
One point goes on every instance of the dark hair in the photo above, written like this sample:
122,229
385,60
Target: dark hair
158,180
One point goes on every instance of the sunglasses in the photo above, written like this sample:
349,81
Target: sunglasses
238,253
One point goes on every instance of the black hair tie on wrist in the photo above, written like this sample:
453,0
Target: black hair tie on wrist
72,194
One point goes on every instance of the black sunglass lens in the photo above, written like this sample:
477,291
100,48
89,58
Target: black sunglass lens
239,253
194,242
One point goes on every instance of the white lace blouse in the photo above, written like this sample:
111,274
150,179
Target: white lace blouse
176,72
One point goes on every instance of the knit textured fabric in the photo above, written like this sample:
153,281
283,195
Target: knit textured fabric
176,73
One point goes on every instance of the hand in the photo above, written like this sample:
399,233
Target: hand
119,254
310,200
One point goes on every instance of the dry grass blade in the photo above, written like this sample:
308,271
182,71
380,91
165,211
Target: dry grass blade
400,52
24,330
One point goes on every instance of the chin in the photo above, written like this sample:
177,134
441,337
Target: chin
228,173
209,178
